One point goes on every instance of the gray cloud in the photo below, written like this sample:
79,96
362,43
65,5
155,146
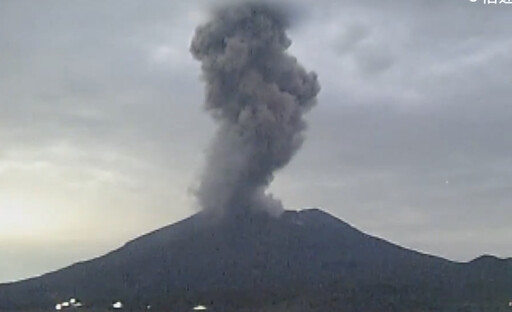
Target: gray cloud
438,114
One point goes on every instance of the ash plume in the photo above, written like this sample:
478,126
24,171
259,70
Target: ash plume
258,94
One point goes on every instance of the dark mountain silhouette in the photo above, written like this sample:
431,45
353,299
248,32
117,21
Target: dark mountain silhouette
302,261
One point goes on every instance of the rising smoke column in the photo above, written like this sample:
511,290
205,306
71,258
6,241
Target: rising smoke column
258,94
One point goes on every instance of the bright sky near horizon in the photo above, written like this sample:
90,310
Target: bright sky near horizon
102,132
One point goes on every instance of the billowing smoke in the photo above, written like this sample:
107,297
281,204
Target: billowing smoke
258,94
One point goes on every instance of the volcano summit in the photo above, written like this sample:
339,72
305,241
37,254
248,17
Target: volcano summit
300,261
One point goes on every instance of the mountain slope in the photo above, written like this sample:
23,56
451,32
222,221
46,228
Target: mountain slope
306,254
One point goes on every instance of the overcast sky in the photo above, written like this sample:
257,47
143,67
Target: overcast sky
102,132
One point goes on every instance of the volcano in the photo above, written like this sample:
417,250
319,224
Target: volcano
302,261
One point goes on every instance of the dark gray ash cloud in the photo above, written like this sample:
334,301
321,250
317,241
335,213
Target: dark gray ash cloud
258,94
